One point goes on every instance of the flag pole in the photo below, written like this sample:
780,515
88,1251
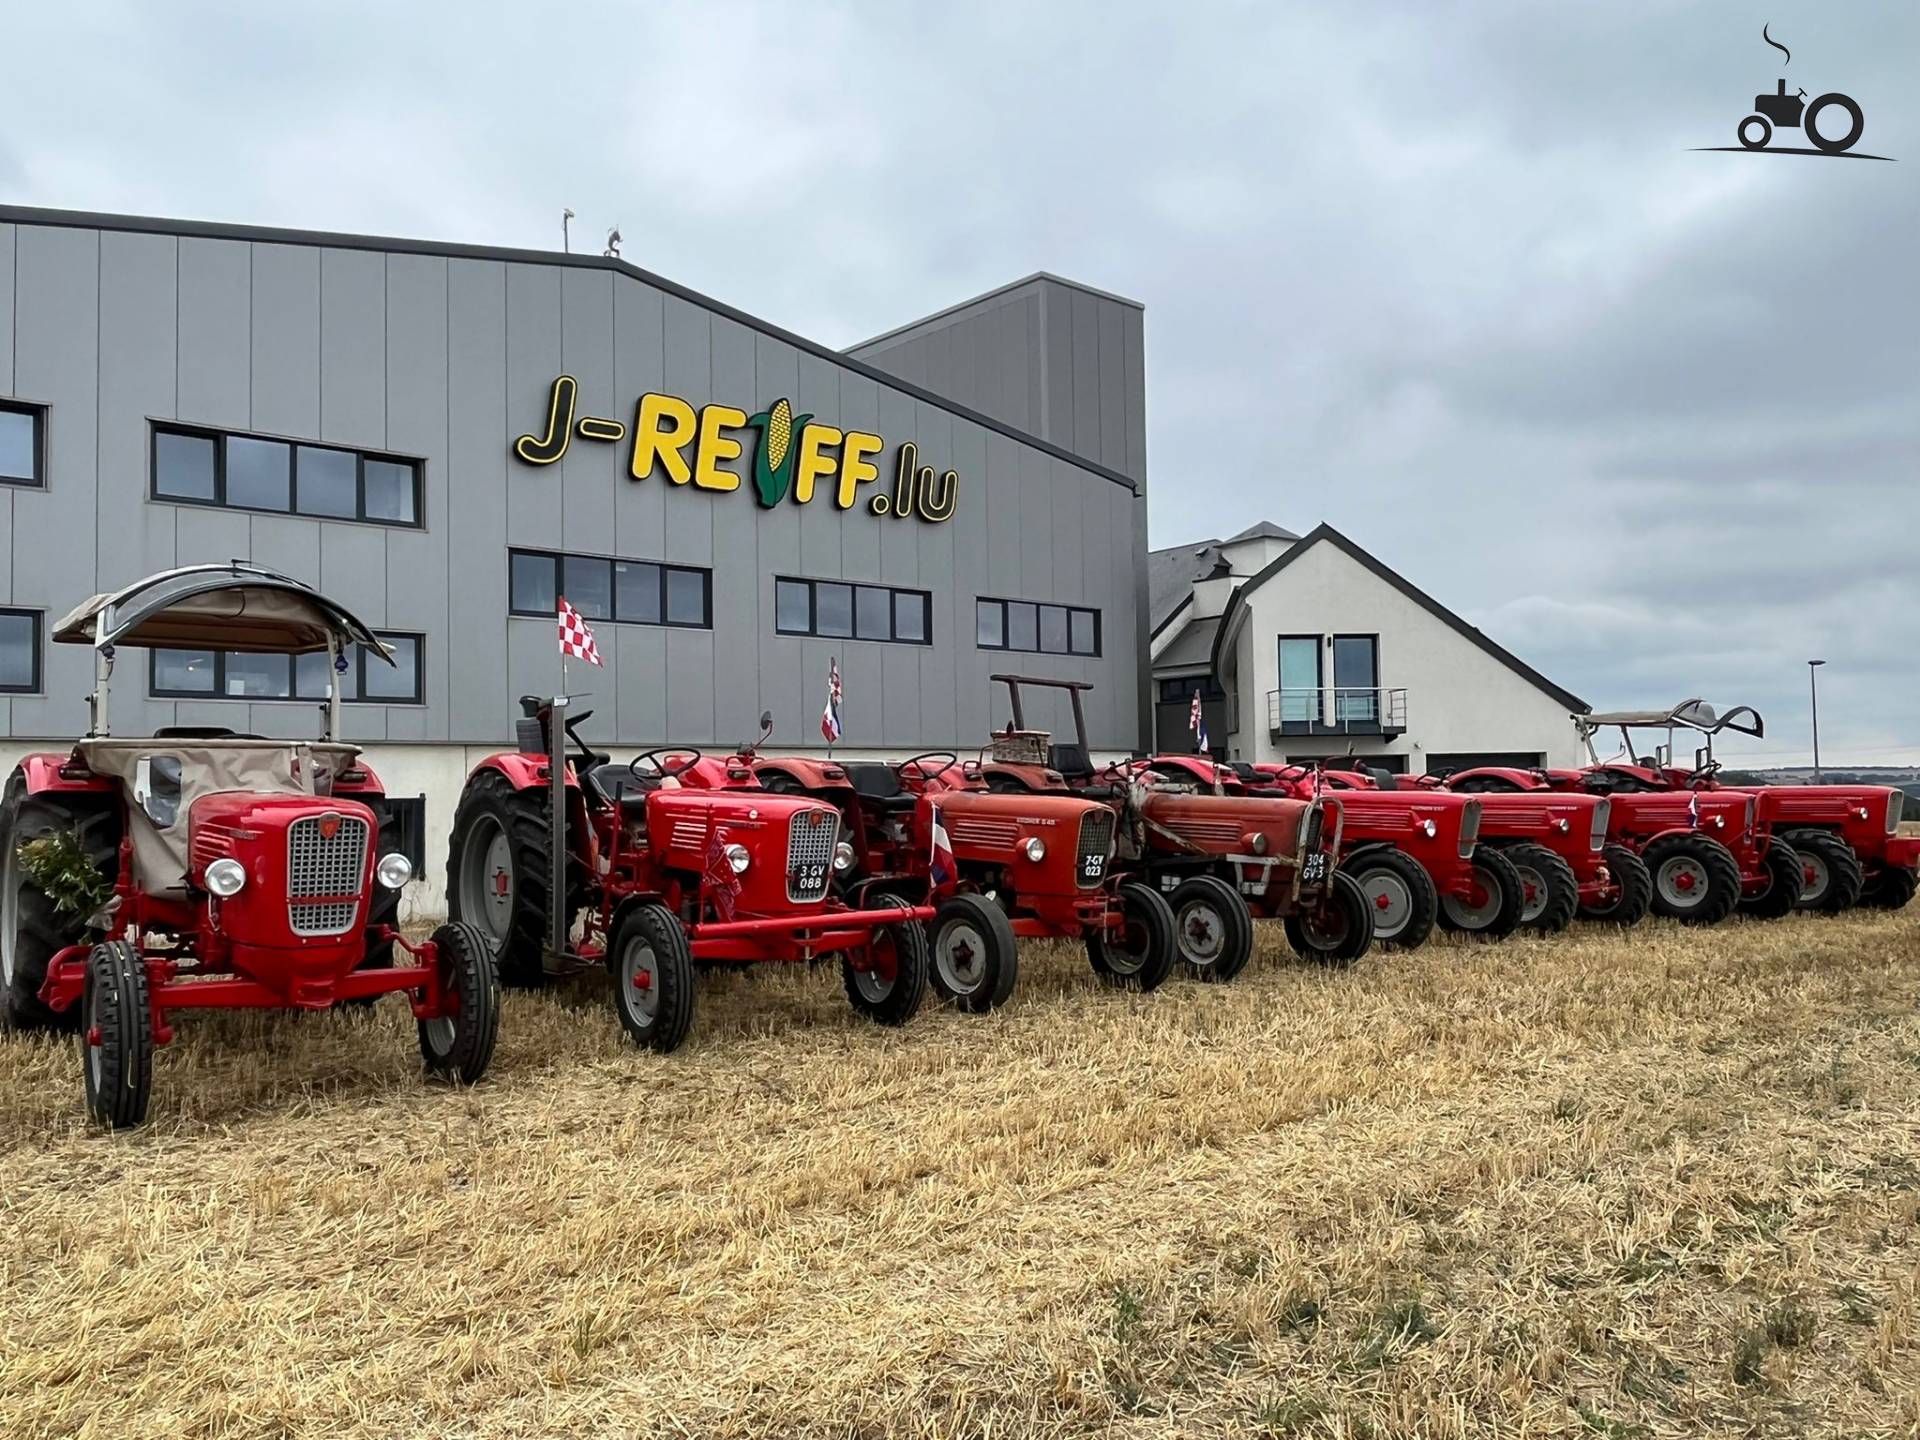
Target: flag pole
833,666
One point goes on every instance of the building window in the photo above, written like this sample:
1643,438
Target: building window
1299,679
234,675
1179,689
252,472
23,450
627,592
19,652
1356,678
843,610
1034,625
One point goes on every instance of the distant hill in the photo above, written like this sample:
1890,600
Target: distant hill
1902,777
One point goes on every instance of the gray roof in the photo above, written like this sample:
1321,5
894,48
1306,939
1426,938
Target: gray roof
1263,530
1193,647
1172,571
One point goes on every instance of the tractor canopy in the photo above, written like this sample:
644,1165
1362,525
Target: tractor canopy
235,606
1687,715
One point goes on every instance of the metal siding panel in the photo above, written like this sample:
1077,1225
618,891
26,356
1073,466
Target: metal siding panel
902,418
353,348
641,656
418,423
639,364
592,469
285,329
6,311
1036,370
137,348
807,539
688,526
474,479
1056,335
291,546
213,362
6,540
690,702
533,362
966,577
1067,496
1013,365
532,666
279,720
1135,375
205,536
738,371
938,366
1113,386
1085,314
1036,525
972,357
353,569
794,539
1001,498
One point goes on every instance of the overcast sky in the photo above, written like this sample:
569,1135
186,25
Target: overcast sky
1447,276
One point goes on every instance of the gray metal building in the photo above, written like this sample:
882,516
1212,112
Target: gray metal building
390,421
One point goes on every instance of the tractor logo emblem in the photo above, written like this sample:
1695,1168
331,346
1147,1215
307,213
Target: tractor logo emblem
1831,124
329,825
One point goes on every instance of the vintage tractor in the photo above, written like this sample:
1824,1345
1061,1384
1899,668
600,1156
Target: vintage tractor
661,870
1847,837
1220,859
201,869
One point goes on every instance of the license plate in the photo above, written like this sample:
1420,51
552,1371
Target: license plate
1092,867
804,878
1314,867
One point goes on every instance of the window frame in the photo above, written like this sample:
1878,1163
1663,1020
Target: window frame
1006,627
854,587
293,696
415,463
558,559
37,417
37,679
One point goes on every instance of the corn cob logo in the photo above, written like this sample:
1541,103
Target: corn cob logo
773,457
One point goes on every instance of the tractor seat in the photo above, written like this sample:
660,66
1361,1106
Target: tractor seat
619,784
1071,760
202,732
879,789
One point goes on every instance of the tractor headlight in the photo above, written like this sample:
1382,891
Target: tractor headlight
1257,842
394,870
842,856
737,859
226,877
1562,825
1035,849
1719,822
1429,829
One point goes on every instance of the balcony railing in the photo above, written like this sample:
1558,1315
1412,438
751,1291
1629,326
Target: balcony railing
1337,710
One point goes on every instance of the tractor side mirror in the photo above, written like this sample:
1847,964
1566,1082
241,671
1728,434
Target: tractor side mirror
156,789
766,723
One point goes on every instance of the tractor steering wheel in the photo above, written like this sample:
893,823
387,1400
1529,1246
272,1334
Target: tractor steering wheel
660,770
1704,772
948,756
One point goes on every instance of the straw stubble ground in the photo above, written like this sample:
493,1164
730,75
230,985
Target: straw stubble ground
1661,1184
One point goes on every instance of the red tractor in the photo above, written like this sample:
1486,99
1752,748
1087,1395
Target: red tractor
1847,837
200,869
661,870
1220,859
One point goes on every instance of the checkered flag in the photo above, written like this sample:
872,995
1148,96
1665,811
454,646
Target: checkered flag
575,638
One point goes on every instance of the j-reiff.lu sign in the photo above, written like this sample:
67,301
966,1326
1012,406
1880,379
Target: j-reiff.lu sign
793,455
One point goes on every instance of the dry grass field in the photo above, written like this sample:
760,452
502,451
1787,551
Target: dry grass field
1660,1185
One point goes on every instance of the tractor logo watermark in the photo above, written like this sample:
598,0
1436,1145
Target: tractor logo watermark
793,455
1831,123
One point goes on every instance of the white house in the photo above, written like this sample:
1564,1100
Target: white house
1305,647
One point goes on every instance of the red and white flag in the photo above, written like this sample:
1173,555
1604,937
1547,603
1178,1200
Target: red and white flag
830,717
575,638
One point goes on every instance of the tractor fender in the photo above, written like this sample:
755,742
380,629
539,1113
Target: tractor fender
523,772
1362,850
43,777
1683,831
360,782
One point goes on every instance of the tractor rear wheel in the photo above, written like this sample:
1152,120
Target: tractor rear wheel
1632,894
1212,928
1140,954
652,966
1834,878
32,928
459,1046
118,1044
1492,912
974,957
1891,889
1552,892
1400,893
1337,931
1696,880
891,982
1785,875
499,873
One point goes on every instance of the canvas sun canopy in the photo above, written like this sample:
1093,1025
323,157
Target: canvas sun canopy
221,607
1687,715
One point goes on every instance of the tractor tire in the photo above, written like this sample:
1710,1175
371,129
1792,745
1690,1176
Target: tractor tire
460,1046
1891,889
1339,930
973,954
1499,915
1401,894
1143,955
117,1049
1696,880
500,831
650,944
1552,890
1834,878
900,948
1212,928
32,930
1633,889
1786,873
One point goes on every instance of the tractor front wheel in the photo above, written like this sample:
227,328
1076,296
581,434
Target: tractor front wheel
1631,889
652,977
891,980
1551,890
975,958
1834,878
1140,954
32,928
1337,931
1785,875
459,1044
1891,889
500,873
1212,928
1400,893
1492,909
118,1043
1696,880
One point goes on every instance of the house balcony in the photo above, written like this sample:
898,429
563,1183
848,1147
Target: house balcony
1341,710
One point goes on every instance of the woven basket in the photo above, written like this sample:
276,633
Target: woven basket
1021,747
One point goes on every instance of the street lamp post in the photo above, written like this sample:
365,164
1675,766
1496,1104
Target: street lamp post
1813,692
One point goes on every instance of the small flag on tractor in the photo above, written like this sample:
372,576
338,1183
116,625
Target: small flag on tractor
944,869
575,638
830,717
722,885
1693,810
1197,723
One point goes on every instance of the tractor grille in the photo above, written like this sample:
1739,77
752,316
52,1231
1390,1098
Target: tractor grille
988,834
810,838
1096,840
1209,833
1896,802
324,874
1602,815
1469,828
